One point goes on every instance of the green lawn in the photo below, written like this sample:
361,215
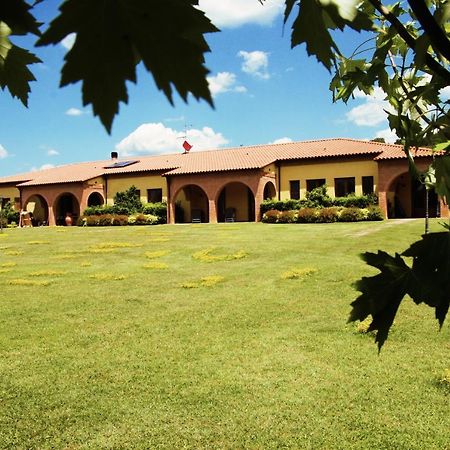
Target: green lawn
193,336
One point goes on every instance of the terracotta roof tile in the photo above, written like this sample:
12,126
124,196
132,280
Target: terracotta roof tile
239,158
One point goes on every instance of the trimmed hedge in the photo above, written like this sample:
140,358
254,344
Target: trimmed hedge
157,211
323,215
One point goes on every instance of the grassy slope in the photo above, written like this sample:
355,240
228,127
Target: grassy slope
255,361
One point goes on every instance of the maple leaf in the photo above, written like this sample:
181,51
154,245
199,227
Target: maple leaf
14,61
112,36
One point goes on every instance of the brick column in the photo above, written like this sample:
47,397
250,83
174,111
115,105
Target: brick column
212,210
382,203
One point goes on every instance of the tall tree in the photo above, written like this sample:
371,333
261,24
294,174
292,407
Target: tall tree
405,52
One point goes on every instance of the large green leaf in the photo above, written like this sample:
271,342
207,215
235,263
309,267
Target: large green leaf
309,27
16,14
430,283
14,61
113,35
381,294
427,281
442,172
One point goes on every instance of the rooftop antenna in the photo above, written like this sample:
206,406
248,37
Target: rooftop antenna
186,146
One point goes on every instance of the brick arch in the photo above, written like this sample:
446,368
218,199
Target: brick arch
268,183
244,209
60,210
205,216
212,184
42,220
390,170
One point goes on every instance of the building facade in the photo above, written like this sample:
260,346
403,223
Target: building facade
229,184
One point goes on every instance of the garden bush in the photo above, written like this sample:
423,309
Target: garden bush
271,216
287,216
307,215
156,209
351,215
327,215
356,201
319,197
374,213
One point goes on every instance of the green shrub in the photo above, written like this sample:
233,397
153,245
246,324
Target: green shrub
327,215
143,219
156,209
271,216
279,205
319,197
120,220
307,215
287,217
356,201
351,215
374,213
128,202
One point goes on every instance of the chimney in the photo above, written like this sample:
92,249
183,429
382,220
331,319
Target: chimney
114,155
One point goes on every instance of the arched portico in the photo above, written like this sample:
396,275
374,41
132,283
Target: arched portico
37,206
406,197
191,205
400,196
212,185
66,204
235,203
270,191
95,199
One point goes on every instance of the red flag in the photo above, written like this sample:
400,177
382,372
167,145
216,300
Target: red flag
187,146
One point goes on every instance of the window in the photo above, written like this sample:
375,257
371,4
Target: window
138,194
5,200
367,185
312,184
344,186
294,189
154,195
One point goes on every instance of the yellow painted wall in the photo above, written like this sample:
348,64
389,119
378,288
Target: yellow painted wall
329,171
270,169
98,181
10,192
236,197
117,184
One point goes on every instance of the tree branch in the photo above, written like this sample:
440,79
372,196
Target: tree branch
441,71
437,36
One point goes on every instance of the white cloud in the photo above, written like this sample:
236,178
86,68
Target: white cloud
234,13
283,140
68,41
74,112
3,152
444,93
255,63
43,167
372,112
155,138
224,82
388,135
52,152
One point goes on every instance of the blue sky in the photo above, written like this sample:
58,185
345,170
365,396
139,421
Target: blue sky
263,92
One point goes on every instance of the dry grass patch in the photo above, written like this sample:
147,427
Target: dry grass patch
48,273
209,281
113,245
37,242
107,277
156,254
5,270
23,282
298,273
66,256
160,239
8,264
13,253
156,266
208,256
86,264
